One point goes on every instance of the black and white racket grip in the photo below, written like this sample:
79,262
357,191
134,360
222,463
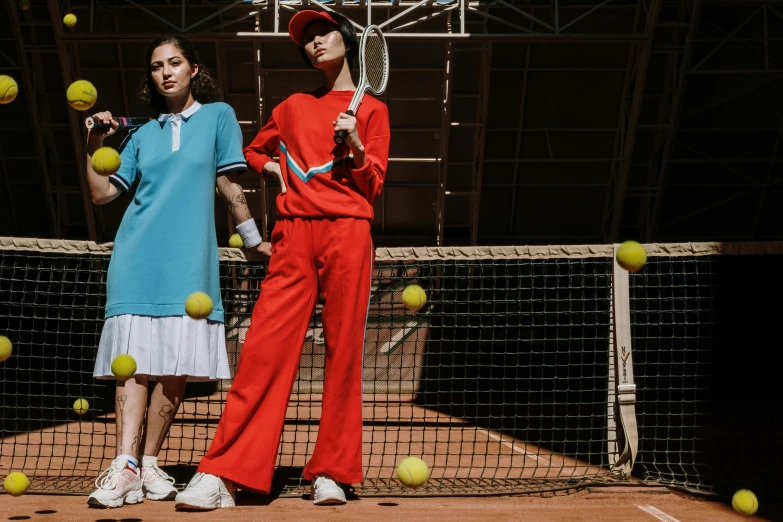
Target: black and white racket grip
341,135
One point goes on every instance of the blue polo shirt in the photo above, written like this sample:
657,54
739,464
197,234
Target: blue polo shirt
166,247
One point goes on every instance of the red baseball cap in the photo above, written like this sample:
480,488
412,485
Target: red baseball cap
300,21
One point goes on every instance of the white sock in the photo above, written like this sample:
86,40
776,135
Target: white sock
147,461
133,462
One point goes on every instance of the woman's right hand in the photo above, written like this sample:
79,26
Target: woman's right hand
99,134
273,168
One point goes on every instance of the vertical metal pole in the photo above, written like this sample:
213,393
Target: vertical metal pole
445,125
486,64
461,16
518,147
76,130
621,181
33,112
260,121
674,121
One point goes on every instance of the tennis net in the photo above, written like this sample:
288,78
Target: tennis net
505,382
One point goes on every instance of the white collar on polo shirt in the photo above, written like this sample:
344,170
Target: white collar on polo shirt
176,119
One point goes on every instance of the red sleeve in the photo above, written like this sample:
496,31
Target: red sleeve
369,179
260,151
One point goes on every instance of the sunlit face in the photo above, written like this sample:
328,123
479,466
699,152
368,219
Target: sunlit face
323,44
170,71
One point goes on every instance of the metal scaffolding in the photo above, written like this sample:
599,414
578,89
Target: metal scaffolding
490,143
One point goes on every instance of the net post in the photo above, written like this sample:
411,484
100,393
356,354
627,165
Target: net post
623,395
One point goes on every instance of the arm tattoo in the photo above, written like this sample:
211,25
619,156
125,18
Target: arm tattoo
121,401
238,201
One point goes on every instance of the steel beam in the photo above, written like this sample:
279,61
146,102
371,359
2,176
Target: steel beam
622,166
678,96
486,65
32,108
76,130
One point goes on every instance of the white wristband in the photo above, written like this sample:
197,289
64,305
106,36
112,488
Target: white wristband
249,233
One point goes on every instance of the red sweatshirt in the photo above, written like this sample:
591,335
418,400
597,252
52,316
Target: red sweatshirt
320,176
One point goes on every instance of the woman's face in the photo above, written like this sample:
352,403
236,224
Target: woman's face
323,44
170,71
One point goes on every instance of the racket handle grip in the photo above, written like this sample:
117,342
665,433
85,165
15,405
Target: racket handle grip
122,121
341,135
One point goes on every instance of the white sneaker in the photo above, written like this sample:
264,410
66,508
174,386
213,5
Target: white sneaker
206,492
326,492
156,483
117,485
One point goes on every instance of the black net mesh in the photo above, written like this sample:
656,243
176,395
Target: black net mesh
499,383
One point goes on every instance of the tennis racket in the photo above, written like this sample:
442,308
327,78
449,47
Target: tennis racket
373,71
91,123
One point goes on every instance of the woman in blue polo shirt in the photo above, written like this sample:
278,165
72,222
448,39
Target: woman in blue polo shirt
165,249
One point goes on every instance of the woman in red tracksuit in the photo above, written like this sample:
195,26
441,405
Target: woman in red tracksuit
321,242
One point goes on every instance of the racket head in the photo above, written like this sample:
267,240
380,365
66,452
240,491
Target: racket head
373,60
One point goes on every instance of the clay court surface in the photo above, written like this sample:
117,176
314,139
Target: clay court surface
600,504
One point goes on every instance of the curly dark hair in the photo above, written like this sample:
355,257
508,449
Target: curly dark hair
350,40
203,86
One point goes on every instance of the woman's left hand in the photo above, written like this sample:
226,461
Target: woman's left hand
348,123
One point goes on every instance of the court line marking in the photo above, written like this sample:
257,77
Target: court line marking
657,513
513,446
396,338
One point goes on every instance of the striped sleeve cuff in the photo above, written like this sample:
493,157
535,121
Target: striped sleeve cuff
237,166
119,183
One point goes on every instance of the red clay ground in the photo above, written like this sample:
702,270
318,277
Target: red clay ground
603,504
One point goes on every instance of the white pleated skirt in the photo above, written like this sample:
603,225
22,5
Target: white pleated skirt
176,345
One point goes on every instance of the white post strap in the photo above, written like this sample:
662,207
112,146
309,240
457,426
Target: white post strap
625,405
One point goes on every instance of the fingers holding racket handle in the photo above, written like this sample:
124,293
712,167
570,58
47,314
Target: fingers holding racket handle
341,135
122,121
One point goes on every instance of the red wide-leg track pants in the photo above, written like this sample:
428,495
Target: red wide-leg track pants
335,256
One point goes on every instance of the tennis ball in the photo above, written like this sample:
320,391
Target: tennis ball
106,161
235,241
69,20
414,297
81,95
198,305
16,483
24,5
123,367
413,472
745,502
8,89
5,348
631,256
81,406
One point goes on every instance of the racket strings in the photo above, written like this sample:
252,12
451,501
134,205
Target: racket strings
375,65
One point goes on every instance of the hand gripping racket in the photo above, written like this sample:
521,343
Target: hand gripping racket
91,123
373,71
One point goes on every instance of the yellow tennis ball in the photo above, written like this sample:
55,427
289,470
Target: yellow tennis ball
81,95
123,366
24,5
198,305
80,406
414,297
106,161
69,20
413,472
235,241
8,89
631,256
745,502
6,348
16,483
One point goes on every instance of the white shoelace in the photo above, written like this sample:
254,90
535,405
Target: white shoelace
108,477
160,473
